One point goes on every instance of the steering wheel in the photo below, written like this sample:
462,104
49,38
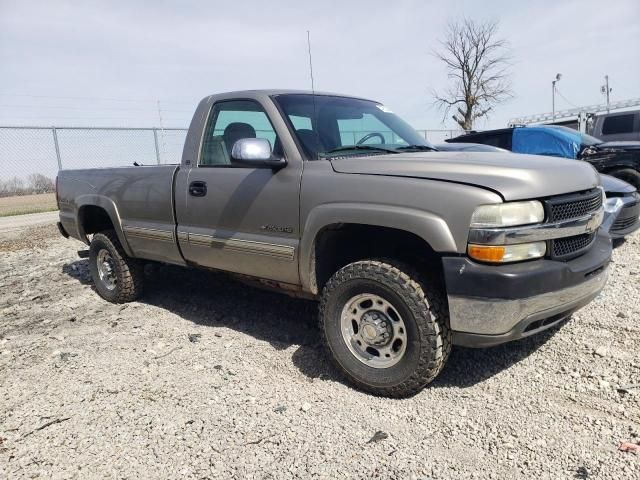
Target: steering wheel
371,135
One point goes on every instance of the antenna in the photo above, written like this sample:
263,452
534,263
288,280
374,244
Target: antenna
313,90
314,120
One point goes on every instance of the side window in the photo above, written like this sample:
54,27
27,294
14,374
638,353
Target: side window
618,124
230,121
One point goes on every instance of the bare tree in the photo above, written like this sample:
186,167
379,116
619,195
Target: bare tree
11,186
478,63
39,183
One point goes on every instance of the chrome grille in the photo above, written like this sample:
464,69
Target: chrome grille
566,207
574,206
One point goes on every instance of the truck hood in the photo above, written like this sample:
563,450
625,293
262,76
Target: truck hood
514,176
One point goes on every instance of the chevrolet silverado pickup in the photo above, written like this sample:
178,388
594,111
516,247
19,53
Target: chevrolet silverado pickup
409,250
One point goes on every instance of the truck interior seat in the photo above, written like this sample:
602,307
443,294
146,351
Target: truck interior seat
236,131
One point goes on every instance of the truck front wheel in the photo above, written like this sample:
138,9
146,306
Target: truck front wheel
386,331
117,277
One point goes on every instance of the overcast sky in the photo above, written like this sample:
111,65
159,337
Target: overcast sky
130,54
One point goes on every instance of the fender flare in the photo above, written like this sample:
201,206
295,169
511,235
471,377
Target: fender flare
109,206
426,225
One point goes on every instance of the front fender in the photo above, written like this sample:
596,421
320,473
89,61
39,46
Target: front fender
428,226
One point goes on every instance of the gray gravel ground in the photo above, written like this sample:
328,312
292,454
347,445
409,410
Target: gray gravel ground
208,378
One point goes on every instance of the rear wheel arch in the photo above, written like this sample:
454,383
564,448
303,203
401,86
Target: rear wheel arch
100,216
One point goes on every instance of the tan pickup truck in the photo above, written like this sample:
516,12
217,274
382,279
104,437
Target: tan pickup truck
408,249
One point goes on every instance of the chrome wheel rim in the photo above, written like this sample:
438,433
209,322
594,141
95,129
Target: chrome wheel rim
373,330
106,269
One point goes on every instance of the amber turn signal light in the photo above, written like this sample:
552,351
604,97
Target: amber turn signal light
486,253
506,253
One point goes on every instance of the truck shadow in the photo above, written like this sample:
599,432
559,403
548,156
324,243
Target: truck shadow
216,300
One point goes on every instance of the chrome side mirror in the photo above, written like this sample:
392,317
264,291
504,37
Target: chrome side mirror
255,152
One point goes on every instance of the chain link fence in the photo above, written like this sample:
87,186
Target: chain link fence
30,157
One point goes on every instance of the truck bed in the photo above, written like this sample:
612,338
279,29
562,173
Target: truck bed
141,198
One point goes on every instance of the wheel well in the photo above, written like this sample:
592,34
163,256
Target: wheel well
94,219
632,179
338,245
609,170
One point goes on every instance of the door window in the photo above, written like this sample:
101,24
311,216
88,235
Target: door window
231,121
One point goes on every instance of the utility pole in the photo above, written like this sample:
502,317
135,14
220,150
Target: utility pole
553,97
606,90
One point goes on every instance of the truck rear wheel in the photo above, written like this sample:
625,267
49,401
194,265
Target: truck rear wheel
628,175
117,277
386,331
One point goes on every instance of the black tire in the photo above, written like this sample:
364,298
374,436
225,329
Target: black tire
128,272
618,242
423,310
628,175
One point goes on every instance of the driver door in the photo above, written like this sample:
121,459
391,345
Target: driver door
239,218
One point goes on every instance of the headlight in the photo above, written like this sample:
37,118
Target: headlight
507,214
507,253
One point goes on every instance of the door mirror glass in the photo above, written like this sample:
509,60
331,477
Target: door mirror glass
255,152
251,149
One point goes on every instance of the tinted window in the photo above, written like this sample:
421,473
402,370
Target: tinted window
618,124
353,131
229,122
300,122
491,140
500,139
322,123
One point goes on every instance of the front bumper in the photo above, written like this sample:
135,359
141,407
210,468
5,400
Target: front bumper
626,218
493,304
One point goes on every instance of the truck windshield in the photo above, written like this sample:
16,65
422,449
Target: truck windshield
329,126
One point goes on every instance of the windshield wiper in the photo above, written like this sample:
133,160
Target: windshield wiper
418,147
347,148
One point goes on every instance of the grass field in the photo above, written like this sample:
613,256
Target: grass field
20,205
